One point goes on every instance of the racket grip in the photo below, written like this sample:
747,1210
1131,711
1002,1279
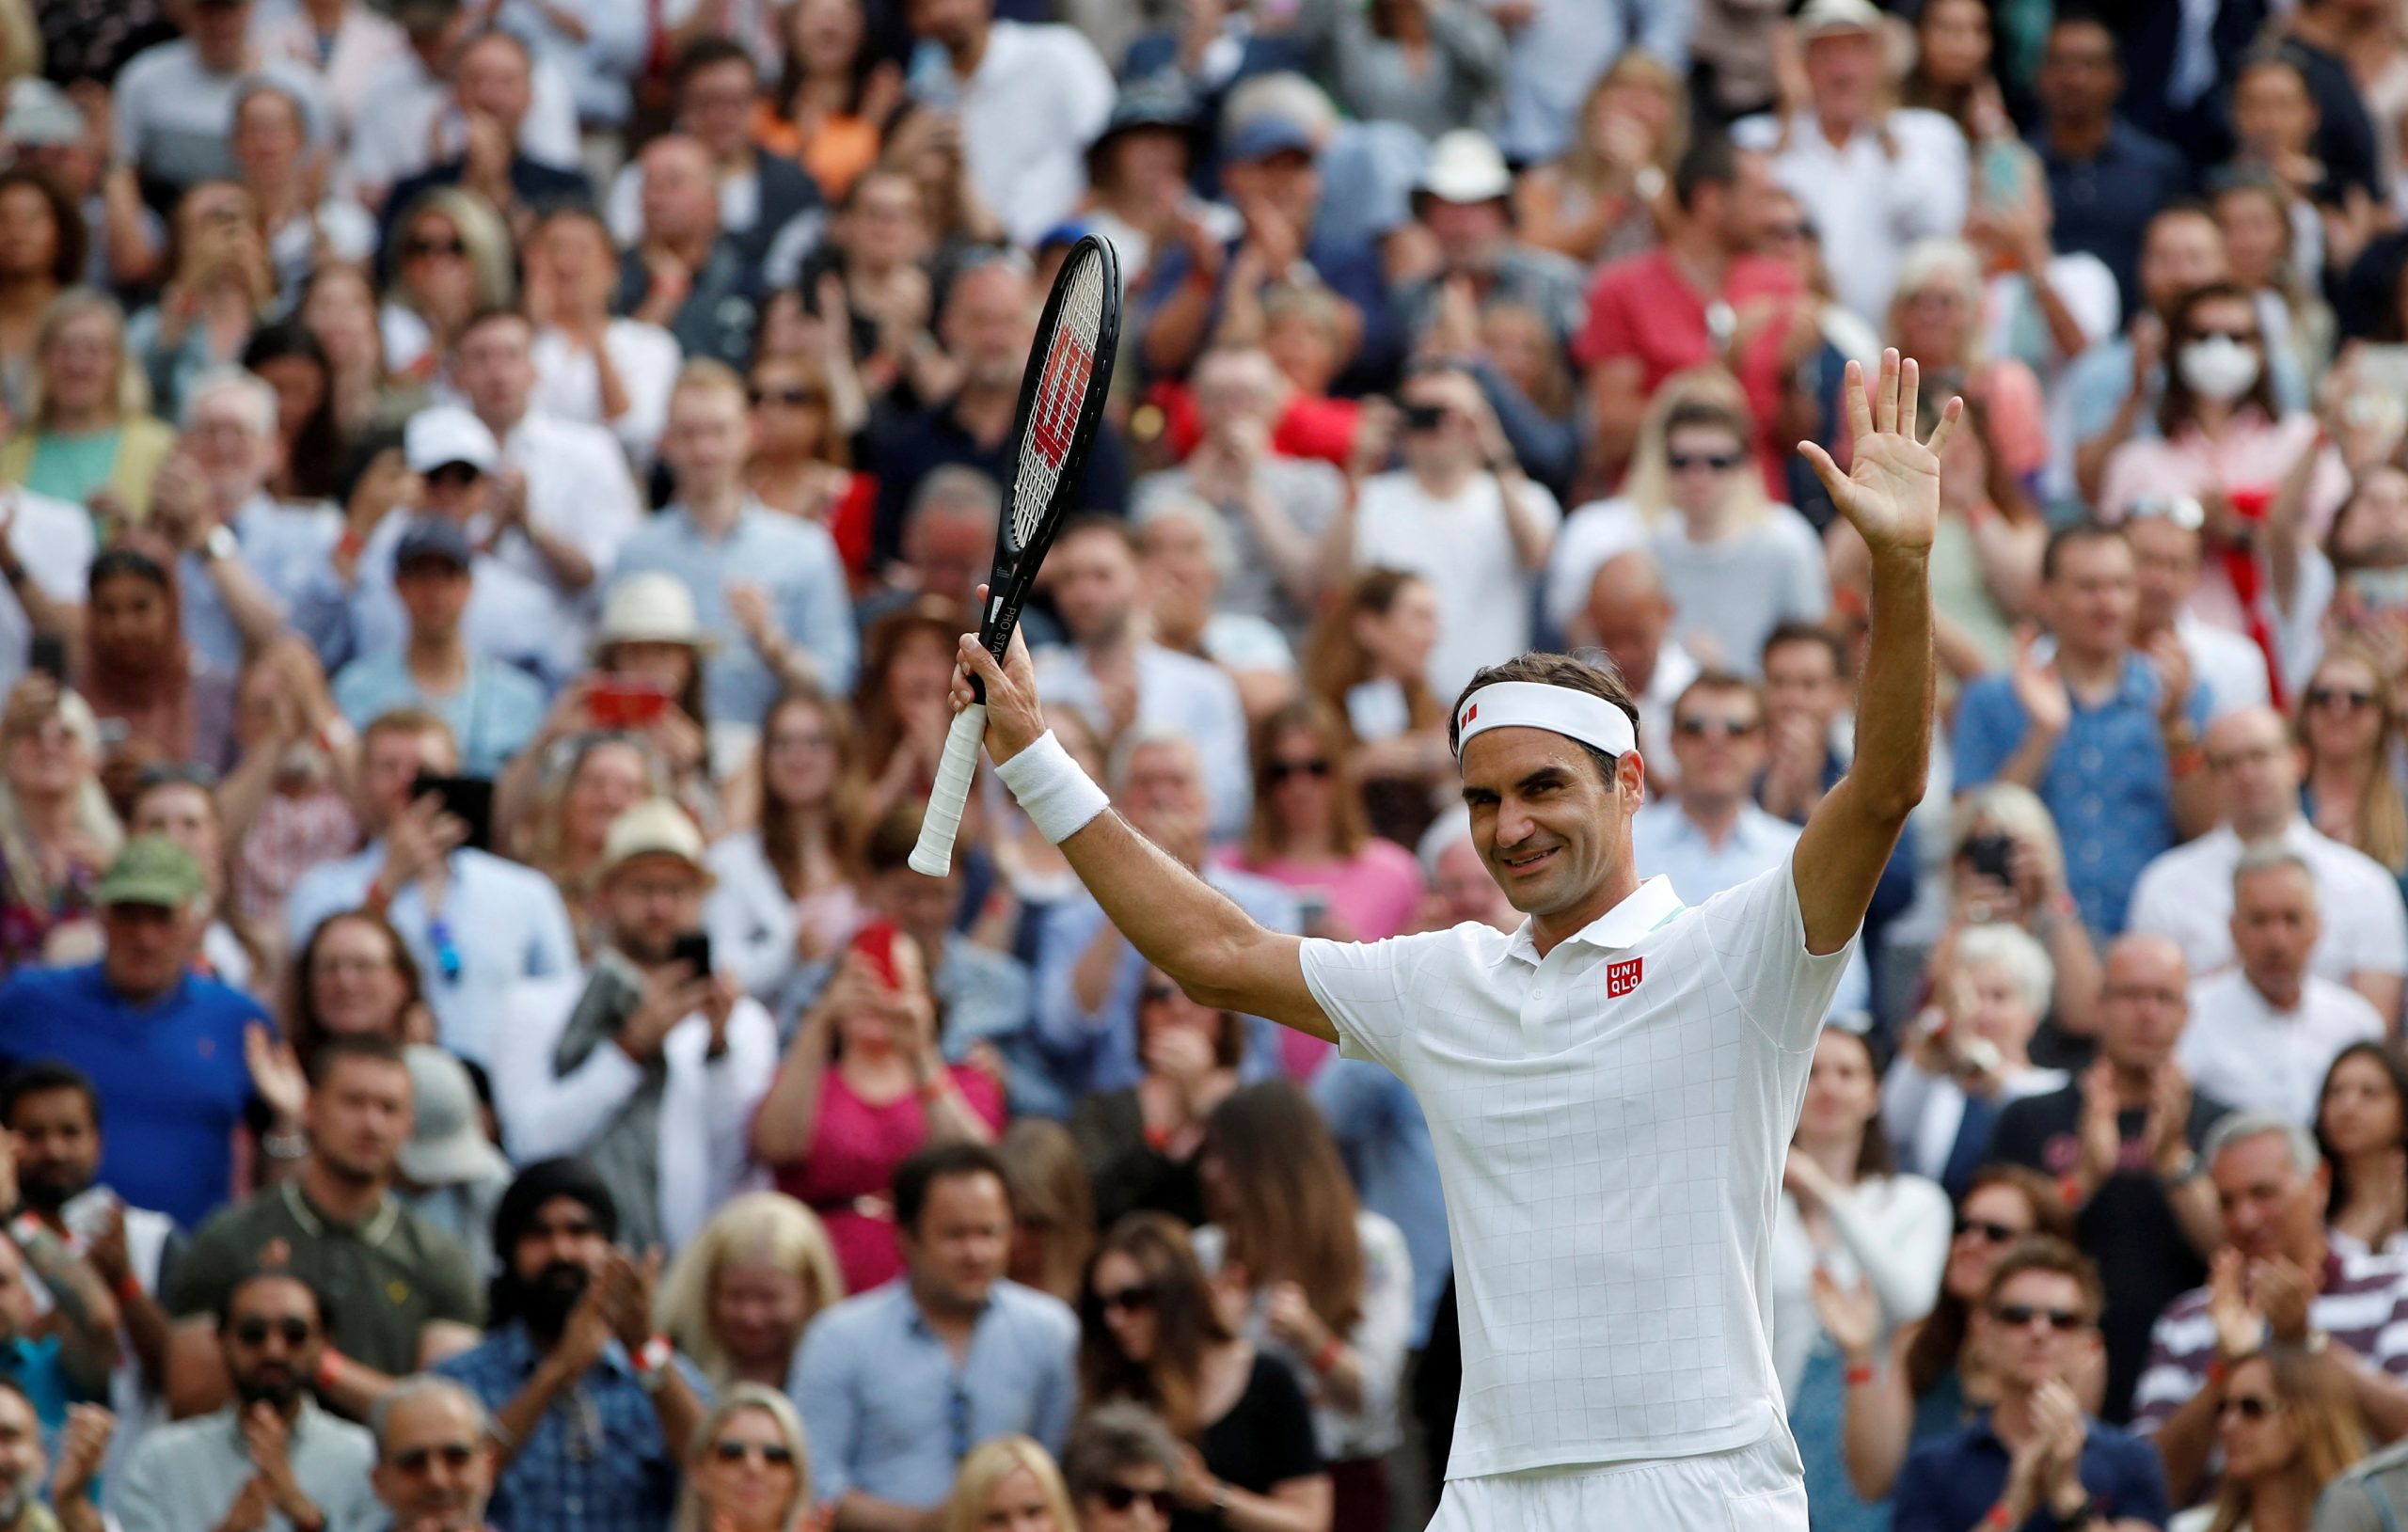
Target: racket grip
933,855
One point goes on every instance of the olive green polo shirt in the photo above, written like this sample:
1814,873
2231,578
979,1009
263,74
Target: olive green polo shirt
382,1280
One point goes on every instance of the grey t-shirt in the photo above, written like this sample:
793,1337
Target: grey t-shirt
1730,594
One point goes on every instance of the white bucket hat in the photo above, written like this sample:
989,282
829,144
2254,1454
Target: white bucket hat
651,608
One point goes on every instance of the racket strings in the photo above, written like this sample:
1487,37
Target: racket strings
1061,393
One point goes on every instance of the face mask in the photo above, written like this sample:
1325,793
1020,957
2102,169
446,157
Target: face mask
2218,368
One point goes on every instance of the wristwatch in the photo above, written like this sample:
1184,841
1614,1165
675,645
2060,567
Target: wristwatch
652,1360
219,544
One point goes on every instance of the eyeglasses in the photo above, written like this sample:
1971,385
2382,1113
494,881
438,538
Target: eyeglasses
1992,1234
1281,770
293,1333
794,398
1134,1298
454,475
2348,699
2249,1406
1697,728
454,1455
1690,462
774,1454
416,250
1155,994
2065,1321
1122,1496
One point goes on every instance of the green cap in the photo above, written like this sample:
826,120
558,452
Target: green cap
152,870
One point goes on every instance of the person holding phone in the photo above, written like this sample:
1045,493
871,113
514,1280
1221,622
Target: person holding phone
648,1066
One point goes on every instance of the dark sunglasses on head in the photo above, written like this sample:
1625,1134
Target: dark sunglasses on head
2248,1406
1282,770
1996,1234
776,1453
1718,462
1731,728
413,249
454,475
294,1332
1122,1496
1134,1299
2065,1321
795,397
2350,698
415,1460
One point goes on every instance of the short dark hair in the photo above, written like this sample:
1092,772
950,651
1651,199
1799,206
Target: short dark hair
41,1078
1796,630
1112,1438
74,236
709,53
1092,521
2074,534
492,313
1545,669
1721,680
333,1050
2047,1253
941,1163
890,842
256,1274
1712,160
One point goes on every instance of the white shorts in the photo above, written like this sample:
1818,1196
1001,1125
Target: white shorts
1757,1488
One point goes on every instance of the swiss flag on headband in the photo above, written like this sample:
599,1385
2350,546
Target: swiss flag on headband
1472,712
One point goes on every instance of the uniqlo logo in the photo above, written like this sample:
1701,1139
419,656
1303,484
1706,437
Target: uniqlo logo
1058,396
1623,977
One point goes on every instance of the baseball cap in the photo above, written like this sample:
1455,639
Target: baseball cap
1828,18
655,827
40,115
432,537
1267,134
152,870
448,434
1466,166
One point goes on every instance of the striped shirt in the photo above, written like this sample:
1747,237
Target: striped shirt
2363,1306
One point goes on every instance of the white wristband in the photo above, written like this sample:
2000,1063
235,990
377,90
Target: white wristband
1058,797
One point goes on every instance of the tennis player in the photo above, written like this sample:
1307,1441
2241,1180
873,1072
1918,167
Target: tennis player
1610,1089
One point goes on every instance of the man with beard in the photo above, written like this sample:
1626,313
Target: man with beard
24,1465
434,1456
402,1291
271,1461
592,1408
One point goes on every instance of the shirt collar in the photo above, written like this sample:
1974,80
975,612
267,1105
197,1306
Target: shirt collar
370,1230
1643,910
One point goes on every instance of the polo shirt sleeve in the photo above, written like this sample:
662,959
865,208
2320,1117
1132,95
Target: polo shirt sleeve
2169,1379
208,1266
1989,727
826,1394
1368,989
453,1293
1759,936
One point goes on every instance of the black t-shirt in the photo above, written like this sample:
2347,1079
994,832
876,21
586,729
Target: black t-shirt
2128,1227
1265,1440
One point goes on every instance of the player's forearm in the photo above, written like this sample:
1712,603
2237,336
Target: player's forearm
1180,922
1894,723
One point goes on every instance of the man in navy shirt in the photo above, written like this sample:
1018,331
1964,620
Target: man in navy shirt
164,1047
2034,1460
2106,177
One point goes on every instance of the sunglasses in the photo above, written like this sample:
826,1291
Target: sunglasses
2249,1406
1132,1300
2349,699
1281,770
416,250
415,1460
1155,994
793,398
775,1454
2065,1321
1697,728
1690,461
1992,1234
1782,233
293,1333
454,475
1122,1496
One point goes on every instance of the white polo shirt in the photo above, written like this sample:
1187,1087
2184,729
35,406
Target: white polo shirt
2186,894
2239,1049
1609,1125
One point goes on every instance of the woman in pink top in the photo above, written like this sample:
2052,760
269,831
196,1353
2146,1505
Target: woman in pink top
862,1087
2224,442
1309,833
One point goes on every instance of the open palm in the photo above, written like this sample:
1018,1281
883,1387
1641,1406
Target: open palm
1890,493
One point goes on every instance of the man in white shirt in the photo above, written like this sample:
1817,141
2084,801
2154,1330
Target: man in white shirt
173,102
2167,552
1873,181
1114,673
1463,516
1029,99
2186,894
2263,1032
642,1066
1610,1089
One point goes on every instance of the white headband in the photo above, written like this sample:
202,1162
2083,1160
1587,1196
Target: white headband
1530,705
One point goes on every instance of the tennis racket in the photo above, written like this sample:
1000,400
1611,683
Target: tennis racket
1061,403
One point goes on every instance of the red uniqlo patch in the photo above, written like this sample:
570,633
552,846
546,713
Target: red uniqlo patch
1623,977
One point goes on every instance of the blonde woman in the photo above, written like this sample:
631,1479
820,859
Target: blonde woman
1009,1485
737,1300
88,431
57,834
1600,201
749,1470
450,256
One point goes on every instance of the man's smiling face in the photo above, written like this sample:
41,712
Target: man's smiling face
1550,827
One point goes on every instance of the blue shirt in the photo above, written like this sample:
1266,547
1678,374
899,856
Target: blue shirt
172,1073
502,922
285,546
493,715
1386,1142
2105,202
888,1412
795,561
2108,786
1950,1484
596,1461
1664,840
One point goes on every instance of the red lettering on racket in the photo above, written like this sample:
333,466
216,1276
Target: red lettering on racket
1055,419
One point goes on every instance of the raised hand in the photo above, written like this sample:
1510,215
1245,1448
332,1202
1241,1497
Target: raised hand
1014,720
1851,1315
1890,492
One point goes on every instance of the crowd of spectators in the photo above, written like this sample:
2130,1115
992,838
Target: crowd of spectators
489,493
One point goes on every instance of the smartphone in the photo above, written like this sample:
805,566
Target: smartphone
1423,419
47,655
1989,855
876,941
468,798
2003,170
626,701
693,947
